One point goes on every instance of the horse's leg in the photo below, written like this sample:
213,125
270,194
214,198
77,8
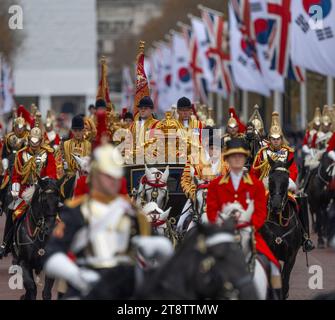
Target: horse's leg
286,273
28,282
47,290
319,227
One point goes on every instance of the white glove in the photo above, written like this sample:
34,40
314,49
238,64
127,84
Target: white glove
5,164
331,155
55,147
246,214
61,266
153,248
65,165
306,150
15,189
292,186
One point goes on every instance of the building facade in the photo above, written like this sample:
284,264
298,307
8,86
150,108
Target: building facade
56,67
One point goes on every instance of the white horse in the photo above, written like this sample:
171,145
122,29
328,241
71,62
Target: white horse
194,211
161,222
245,235
157,217
153,188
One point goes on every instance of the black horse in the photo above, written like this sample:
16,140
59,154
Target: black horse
282,229
31,233
319,196
209,264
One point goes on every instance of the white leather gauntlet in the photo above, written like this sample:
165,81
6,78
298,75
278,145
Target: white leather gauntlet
15,189
5,164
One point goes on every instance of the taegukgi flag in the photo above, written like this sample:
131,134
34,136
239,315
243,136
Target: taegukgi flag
313,35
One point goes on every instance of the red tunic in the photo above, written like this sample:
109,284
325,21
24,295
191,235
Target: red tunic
331,143
260,158
82,188
221,191
55,142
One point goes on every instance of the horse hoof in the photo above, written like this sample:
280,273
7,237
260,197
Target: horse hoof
23,297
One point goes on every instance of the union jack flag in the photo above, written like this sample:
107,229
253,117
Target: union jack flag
199,82
243,16
217,30
279,46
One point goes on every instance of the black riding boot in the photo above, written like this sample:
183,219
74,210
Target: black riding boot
307,243
5,248
306,180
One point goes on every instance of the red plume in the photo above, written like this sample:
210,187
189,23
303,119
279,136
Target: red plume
124,111
241,126
101,117
24,113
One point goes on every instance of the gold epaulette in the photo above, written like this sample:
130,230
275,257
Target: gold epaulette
288,148
247,179
47,148
75,202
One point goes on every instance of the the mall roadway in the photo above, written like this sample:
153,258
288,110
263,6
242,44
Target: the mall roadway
299,278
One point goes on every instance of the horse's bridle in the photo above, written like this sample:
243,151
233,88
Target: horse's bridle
154,185
41,222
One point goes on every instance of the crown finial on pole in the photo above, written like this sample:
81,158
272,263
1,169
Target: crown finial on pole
141,46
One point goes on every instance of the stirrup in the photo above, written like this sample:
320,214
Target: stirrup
308,245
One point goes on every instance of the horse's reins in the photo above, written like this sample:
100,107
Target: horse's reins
154,185
202,186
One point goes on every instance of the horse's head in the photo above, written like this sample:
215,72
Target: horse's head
200,195
156,216
47,196
153,187
83,163
279,176
221,268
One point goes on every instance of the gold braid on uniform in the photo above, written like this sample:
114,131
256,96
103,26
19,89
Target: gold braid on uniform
265,167
29,168
186,181
25,170
67,149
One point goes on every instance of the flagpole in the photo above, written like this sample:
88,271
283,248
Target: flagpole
330,91
278,104
245,104
219,110
303,101
232,99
